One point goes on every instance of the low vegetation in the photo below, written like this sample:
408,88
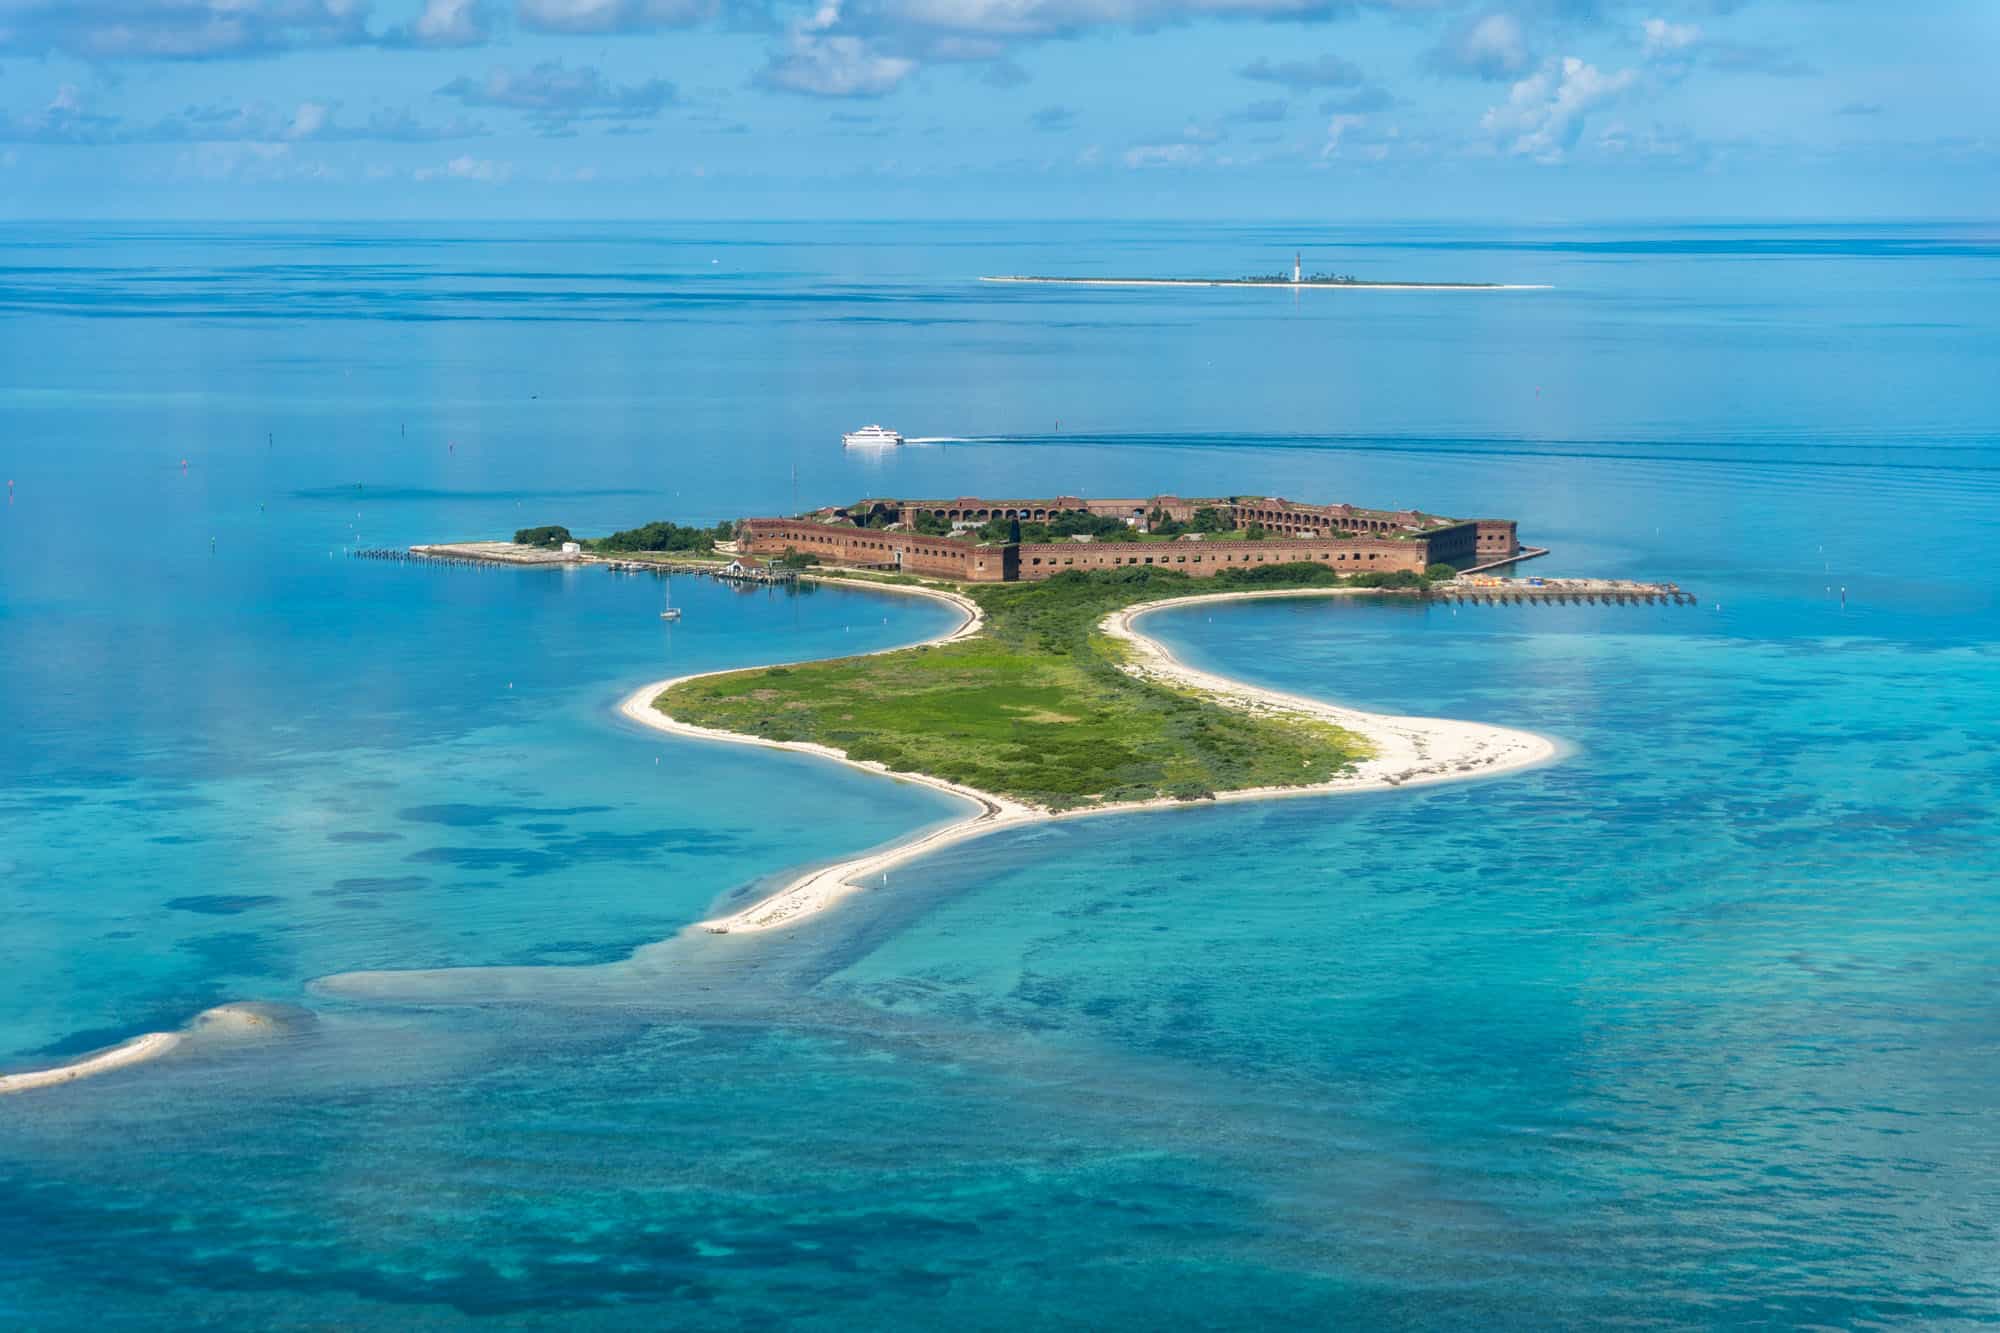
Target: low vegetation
1036,706
665,537
548,538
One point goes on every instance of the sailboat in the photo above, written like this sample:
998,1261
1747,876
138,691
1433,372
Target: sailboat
671,612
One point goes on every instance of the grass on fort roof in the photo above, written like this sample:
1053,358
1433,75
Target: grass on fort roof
1035,707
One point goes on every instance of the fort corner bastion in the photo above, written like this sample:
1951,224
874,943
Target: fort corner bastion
1198,537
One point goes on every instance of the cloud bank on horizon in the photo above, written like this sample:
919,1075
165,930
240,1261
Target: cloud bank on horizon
1435,105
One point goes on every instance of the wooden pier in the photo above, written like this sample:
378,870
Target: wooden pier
496,554
1524,553
1560,592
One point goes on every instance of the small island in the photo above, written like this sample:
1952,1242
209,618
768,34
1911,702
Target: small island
1298,277
1046,701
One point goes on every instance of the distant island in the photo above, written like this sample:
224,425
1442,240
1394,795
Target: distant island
1276,280
1298,277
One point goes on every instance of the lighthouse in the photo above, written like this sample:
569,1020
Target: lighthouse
1295,267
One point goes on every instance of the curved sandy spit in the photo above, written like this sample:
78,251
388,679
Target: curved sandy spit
138,1049
223,1021
1408,751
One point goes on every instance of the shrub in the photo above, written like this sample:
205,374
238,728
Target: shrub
1290,572
1401,578
665,537
1440,572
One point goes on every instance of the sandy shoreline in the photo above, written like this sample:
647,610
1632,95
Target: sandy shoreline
150,1046
1408,751
223,1021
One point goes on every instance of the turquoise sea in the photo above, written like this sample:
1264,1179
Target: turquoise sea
1699,1026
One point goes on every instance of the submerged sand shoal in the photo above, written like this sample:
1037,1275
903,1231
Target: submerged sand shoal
223,1021
1406,751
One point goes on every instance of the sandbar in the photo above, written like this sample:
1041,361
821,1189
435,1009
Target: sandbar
148,1047
223,1021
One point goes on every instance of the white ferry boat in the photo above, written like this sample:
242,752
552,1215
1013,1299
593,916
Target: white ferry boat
869,437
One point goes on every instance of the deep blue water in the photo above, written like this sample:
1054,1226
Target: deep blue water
1697,1026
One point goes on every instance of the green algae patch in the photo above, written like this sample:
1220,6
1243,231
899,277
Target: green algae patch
1036,707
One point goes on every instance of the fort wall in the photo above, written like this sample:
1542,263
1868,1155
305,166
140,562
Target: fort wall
1341,537
1205,559
839,544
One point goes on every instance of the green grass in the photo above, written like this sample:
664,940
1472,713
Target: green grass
1035,707
661,557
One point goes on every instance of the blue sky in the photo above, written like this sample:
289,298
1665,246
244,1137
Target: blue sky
1534,111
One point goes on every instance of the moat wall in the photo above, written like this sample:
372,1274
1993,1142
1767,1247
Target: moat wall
945,558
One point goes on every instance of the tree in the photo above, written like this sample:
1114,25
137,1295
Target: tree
549,537
1440,572
930,523
661,537
1256,532
1209,519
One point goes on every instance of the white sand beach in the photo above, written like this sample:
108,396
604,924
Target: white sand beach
225,1021
148,1047
1407,751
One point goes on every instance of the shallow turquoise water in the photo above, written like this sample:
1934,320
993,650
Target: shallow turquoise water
1696,1026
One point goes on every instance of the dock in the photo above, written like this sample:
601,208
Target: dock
493,555
1478,591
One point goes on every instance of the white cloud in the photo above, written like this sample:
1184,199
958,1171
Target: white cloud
820,64
1492,46
1164,155
310,119
1326,71
595,16
554,95
1545,112
450,23
1675,48
250,162
177,29
67,119
1666,39
465,167
1657,142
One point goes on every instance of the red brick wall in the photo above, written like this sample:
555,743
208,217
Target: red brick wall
841,545
1206,559
1498,539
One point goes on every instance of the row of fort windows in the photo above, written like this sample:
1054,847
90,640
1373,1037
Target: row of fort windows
942,547
1183,560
